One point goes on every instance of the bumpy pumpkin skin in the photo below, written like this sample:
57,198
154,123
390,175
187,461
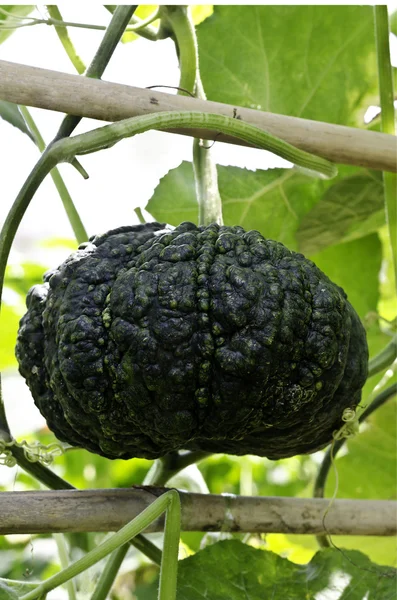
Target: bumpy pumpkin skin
150,339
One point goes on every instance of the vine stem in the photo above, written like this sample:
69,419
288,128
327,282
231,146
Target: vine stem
138,27
329,457
166,467
176,18
386,92
113,34
64,559
385,358
70,209
204,167
107,136
142,23
377,364
168,503
64,38
109,573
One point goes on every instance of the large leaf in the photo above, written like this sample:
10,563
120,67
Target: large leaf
303,213
230,570
314,62
351,207
174,199
11,17
355,267
272,201
10,112
10,590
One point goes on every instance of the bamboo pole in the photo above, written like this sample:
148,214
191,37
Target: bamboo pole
97,99
110,509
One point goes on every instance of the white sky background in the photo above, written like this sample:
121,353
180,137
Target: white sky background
121,178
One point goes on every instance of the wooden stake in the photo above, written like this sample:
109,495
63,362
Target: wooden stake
110,509
96,99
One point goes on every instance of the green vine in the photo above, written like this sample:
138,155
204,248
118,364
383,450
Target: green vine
176,20
386,92
112,36
109,573
179,20
64,38
75,221
166,467
384,359
63,553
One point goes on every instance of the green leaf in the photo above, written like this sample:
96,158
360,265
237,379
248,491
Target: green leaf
303,213
230,570
344,266
350,208
21,277
200,12
18,280
305,61
272,201
7,20
142,12
9,322
11,590
10,112
174,199
6,593
369,467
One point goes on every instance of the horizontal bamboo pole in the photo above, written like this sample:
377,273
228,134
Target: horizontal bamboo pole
110,509
86,97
